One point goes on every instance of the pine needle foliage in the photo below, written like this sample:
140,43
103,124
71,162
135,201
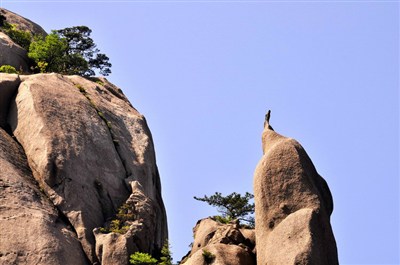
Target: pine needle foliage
233,206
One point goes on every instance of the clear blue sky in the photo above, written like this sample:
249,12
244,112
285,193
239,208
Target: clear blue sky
205,72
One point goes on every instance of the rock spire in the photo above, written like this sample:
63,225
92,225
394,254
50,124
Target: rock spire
293,205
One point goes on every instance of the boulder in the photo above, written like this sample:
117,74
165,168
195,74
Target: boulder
221,254
22,23
8,88
85,145
293,205
32,230
112,248
222,244
12,54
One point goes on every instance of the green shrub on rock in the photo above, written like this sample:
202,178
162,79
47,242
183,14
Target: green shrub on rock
166,255
139,258
20,37
8,69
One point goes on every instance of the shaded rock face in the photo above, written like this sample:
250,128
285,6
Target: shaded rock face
9,85
91,152
293,205
32,231
228,244
12,54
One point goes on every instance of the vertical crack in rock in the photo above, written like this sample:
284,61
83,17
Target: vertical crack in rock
134,145
106,122
23,201
67,153
64,219
9,84
88,179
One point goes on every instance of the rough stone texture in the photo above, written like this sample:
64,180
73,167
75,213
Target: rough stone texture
224,255
12,54
225,241
293,205
250,236
114,248
22,23
32,231
85,145
8,88
136,152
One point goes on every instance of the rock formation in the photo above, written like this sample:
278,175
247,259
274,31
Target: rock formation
22,23
10,52
226,244
293,205
32,229
90,153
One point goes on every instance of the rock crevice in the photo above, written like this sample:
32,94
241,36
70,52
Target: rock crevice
80,156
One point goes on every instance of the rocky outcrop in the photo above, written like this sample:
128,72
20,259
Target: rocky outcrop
221,244
91,152
114,248
293,205
22,23
12,54
32,230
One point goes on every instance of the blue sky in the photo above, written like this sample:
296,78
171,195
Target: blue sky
205,72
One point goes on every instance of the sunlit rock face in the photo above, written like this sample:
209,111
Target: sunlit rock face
89,153
293,205
227,244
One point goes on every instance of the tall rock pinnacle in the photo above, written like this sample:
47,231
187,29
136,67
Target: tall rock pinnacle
293,205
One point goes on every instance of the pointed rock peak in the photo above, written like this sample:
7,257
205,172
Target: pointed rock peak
266,122
293,205
269,136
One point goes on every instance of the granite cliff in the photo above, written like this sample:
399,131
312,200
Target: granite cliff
89,160
79,182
